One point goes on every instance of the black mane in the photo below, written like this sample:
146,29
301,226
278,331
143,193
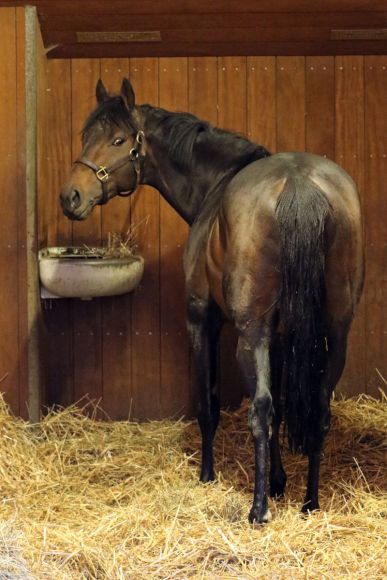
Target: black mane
189,138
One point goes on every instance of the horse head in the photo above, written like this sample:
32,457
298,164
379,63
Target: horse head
112,154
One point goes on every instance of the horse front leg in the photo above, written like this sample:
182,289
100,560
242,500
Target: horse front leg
253,357
204,324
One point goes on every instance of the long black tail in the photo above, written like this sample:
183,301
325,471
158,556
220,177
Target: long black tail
302,212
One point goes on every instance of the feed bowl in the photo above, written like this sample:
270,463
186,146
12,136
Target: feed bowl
87,273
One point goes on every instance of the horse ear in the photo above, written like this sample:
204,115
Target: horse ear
127,93
101,92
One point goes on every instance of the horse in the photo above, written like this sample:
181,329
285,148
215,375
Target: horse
274,246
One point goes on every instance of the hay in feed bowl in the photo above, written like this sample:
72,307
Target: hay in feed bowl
82,499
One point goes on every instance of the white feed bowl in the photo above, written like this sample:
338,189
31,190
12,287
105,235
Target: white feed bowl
82,273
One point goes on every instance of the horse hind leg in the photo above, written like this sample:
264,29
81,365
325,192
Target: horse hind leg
335,361
277,475
253,357
204,324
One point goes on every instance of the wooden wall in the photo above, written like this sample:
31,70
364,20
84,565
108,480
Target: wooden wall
131,352
21,51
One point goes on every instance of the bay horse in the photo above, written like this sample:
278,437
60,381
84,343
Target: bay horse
275,246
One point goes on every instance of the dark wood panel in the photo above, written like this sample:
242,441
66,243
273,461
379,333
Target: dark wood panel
375,211
349,129
148,7
218,35
9,143
146,367
232,115
192,28
175,392
140,49
69,23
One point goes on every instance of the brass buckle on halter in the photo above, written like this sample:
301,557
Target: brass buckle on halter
102,174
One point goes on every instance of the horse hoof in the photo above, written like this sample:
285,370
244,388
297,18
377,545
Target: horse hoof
207,476
257,516
277,490
309,507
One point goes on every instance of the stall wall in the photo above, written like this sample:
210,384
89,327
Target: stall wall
21,55
131,352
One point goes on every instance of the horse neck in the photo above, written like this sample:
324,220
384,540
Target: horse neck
216,157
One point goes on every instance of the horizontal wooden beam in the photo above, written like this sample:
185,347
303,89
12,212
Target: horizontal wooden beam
94,7
52,23
119,50
208,36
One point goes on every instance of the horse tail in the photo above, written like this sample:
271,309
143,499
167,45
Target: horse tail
302,211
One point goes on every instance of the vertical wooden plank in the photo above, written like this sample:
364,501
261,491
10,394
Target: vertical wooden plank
55,229
232,103
87,349
290,103
21,123
203,88
173,85
146,364
320,105
9,311
261,101
349,141
375,215
116,324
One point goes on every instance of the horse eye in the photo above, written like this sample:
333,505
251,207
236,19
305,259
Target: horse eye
119,141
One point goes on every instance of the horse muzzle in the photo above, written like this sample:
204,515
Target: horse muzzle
74,206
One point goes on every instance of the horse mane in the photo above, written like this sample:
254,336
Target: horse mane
189,138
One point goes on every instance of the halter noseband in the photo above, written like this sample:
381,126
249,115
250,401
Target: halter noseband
102,172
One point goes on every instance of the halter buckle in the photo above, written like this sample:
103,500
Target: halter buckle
102,174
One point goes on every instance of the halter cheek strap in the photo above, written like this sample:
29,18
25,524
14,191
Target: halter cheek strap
103,173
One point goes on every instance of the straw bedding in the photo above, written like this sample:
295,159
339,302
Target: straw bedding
82,499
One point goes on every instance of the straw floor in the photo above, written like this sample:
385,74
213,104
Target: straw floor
82,499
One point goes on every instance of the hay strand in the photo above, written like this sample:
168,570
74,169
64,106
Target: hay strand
82,499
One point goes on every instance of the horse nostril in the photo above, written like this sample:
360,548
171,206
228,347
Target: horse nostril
75,200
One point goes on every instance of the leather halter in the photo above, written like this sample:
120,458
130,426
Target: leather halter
103,173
